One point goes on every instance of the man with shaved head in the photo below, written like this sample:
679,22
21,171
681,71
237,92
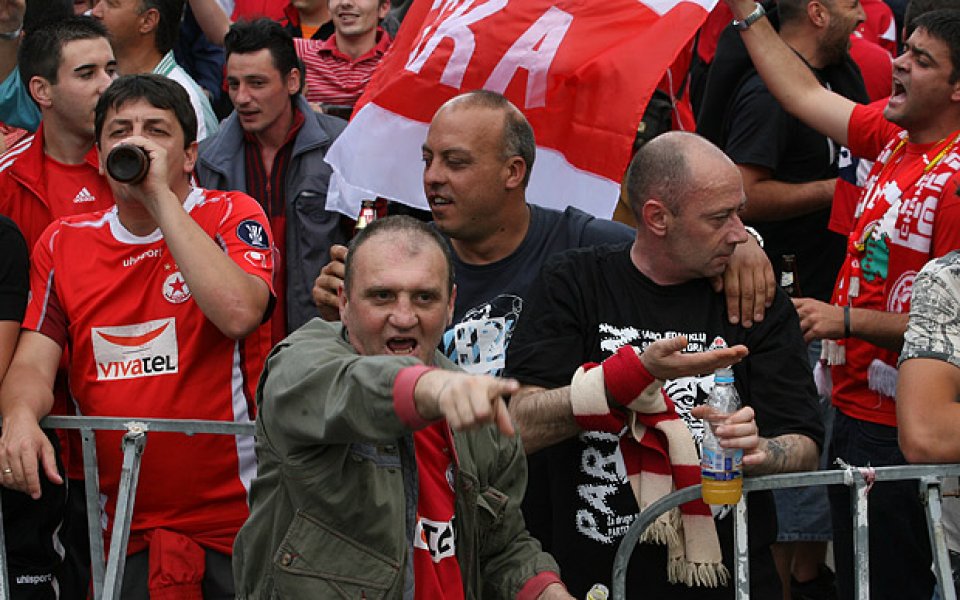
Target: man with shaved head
384,471
607,304
477,160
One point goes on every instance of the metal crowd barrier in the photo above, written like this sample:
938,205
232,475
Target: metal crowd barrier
107,578
930,478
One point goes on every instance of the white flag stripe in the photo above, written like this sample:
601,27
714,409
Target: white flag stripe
662,7
382,150
379,148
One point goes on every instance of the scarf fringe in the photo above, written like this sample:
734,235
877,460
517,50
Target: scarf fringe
833,352
655,463
882,378
697,574
664,530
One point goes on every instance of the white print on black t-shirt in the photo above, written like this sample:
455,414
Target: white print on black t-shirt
601,462
478,343
613,338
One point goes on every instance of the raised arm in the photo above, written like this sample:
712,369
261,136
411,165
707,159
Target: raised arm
790,81
233,299
212,20
328,282
775,200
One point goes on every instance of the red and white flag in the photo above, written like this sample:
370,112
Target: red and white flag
582,72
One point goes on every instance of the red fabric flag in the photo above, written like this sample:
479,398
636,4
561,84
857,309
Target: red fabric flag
582,72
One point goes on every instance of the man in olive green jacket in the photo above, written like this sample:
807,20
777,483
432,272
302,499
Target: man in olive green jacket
337,509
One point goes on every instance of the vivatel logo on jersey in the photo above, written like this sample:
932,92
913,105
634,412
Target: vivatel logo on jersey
131,351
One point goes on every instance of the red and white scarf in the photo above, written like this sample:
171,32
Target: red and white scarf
660,456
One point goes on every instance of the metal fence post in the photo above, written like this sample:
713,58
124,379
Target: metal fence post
91,487
861,531
4,573
133,442
741,548
931,495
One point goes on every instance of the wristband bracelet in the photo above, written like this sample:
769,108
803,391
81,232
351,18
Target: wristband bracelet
846,321
11,35
756,234
750,19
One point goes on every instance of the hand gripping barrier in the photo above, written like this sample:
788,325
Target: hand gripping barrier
108,578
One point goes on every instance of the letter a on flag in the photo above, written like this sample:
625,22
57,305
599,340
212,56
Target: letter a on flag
582,71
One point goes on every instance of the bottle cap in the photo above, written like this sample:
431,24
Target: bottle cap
723,375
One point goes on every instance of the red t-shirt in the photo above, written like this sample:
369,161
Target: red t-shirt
75,189
35,189
141,347
331,76
851,179
436,570
876,66
906,216
252,9
879,27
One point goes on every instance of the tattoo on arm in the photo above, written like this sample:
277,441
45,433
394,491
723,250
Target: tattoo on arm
543,417
787,453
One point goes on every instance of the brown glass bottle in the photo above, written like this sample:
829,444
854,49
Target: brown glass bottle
368,214
790,277
128,163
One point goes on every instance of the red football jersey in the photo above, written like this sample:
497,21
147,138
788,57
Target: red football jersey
141,347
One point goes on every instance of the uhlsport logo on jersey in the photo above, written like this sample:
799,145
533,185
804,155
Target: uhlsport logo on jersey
131,351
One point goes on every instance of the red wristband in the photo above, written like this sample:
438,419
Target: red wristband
624,375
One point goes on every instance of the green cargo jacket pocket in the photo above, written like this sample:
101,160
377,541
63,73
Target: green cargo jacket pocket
316,561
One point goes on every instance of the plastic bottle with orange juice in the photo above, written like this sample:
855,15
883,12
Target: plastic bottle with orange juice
721,469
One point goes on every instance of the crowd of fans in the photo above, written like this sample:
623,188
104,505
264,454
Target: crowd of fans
455,403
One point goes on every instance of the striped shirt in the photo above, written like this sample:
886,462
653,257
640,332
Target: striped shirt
333,77
207,123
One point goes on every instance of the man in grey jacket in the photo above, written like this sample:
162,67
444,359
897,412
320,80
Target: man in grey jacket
272,148
380,464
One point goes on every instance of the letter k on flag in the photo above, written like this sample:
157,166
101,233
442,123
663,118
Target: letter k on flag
582,71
